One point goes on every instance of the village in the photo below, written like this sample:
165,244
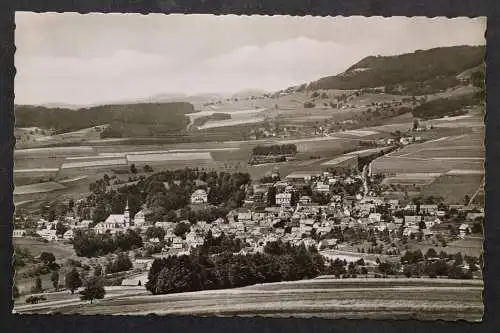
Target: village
337,212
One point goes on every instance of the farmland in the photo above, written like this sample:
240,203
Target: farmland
322,297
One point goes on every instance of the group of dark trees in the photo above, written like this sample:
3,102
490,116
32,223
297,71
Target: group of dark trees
199,271
153,118
432,264
420,66
89,244
93,286
223,243
166,192
120,264
445,107
200,121
285,149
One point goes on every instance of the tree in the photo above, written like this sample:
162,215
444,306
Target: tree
38,286
47,258
148,168
94,289
271,196
98,270
73,281
181,229
415,124
120,264
431,253
15,291
55,279
61,228
466,199
133,169
155,232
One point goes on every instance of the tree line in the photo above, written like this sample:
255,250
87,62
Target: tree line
89,244
285,149
200,271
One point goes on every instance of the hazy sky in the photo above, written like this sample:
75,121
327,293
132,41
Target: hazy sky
84,59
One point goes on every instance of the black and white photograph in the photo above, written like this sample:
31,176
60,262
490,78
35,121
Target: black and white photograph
272,166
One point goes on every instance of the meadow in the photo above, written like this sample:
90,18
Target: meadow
323,297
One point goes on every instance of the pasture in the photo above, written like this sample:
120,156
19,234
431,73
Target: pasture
454,188
36,246
323,297
38,188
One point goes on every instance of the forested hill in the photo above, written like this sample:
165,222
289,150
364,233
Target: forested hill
171,115
436,67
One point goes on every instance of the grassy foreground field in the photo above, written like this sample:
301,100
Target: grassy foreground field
427,299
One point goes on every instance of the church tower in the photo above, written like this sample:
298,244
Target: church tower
126,216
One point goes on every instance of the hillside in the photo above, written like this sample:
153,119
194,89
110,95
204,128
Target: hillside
418,73
61,120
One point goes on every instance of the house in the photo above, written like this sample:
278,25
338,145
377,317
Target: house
472,216
68,235
412,219
283,199
410,208
375,217
328,243
199,196
305,200
393,203
177,243
48,234
428,209
322,188
139,219
193,239
463,230
244,216
431,221
440,213
85,224
302,177
18,233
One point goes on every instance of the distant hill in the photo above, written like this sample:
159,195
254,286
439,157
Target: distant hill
416,73
171,117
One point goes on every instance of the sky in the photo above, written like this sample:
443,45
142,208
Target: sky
78,59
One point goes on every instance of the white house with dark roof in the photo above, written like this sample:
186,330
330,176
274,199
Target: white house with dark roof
199,196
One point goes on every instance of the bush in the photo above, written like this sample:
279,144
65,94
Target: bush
35,299
309,105
120,264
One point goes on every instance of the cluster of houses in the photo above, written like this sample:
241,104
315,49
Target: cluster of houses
300,222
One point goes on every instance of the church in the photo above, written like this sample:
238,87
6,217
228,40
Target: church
115,222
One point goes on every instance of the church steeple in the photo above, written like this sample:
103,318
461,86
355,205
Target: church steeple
126,215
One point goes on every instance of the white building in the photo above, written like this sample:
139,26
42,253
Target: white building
18,233
139,219
68,235
463,230
199,196
283,199
115,222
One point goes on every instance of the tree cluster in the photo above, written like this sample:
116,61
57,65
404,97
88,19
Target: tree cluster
285,149
199,271
120,264
89,244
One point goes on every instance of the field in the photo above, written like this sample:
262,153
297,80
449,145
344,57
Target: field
35,246
471,246
323,297
454,188
38,188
